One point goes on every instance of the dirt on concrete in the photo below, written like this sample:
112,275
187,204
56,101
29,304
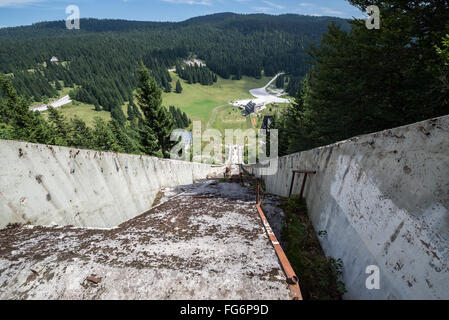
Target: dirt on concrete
206,242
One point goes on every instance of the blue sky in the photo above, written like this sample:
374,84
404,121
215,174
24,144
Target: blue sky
25,12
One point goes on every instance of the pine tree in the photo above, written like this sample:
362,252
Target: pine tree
21,123
130,113
178,87
118,115
103,137
157,124
124,142
61,126
280,81
165,128
58,85
81,135
167,87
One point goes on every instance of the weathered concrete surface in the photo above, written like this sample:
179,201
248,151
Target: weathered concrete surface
205,243
42,184
383,199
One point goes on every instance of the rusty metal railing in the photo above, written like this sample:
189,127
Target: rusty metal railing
292,278
306,173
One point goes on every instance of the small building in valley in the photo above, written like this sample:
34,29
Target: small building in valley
250,108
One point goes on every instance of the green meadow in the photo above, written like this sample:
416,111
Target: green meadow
208,104
199,101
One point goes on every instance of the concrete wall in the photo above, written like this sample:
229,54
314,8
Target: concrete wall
37,184
383,199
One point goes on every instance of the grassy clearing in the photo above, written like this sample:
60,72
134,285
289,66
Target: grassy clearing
229,118
61,93
199,101
319,275
83,111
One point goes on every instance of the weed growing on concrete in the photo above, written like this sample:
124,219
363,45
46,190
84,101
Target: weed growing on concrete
318,275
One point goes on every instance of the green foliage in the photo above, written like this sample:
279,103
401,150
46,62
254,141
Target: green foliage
164,130
104,137
291,125
178,87
60,126
167,88
280,81
444,50
118,115
125,143
196,74
318,275
180,118
6,131
100,60
370,80
81,135
19,122
158,122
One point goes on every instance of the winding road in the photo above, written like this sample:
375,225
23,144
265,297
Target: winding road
262,96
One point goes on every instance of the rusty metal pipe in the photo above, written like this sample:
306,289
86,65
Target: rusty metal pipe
305,172
303,186
291,185
292,279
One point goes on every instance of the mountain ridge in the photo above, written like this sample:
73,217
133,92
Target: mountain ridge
285,22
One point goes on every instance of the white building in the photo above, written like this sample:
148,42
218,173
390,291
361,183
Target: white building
54,59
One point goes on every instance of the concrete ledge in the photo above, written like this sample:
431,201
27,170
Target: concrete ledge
42,184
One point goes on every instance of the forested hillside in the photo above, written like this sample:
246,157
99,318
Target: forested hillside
369,80
103,56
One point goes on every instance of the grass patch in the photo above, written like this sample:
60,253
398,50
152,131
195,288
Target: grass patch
229,118
199,101
318,275
83,111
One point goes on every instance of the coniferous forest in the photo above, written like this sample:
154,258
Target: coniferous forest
365,81
196,74
101,63
104,55
347,80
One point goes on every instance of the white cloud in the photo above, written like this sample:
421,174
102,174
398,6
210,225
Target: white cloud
262,9
327,10
314,10
191,2
274,5
17,3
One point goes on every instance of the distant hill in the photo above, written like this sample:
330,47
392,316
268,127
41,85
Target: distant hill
103,56
290,23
